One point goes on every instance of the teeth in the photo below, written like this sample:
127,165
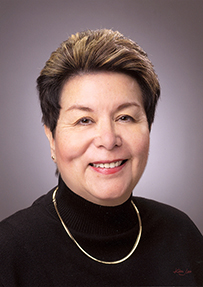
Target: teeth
108,165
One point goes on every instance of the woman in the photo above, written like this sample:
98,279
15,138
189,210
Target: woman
98,94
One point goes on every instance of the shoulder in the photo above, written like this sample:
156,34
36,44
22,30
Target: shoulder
171,237
149,206
167,219
22,238
25,223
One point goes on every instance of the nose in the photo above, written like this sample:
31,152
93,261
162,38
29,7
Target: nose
107,136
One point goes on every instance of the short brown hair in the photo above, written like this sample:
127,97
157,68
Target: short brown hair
93,51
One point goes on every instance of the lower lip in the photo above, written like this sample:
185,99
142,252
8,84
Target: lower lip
108,170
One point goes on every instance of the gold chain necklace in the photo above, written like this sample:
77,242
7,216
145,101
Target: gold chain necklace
87,254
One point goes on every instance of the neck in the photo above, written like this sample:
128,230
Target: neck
83,216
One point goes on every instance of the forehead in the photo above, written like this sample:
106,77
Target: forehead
100,88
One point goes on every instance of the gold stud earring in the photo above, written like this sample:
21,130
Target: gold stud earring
53,157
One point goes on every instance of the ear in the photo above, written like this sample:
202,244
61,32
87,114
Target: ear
51,142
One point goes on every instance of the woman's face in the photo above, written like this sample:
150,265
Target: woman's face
101,140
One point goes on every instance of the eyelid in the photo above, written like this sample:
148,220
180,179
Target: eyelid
129,117
79,121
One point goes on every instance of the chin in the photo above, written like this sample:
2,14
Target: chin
112,200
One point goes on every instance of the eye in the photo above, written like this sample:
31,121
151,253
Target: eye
84,121
126,118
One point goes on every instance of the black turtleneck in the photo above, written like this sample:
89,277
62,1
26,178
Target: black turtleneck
108,226
35,249
87,217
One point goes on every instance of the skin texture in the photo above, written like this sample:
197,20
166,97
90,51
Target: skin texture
102,120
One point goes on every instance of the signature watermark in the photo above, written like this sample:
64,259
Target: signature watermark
182,272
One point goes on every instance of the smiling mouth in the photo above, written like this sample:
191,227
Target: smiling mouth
108,165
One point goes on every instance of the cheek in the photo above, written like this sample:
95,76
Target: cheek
145,144
141,146
70,147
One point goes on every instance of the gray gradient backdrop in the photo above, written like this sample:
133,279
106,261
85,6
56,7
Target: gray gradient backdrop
169,30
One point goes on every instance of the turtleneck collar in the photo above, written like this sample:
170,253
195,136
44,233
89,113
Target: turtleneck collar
86,217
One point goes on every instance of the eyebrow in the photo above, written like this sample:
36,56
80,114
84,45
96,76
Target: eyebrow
88,109
127,105
79,107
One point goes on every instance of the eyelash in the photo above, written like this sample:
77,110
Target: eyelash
86,121
126,118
